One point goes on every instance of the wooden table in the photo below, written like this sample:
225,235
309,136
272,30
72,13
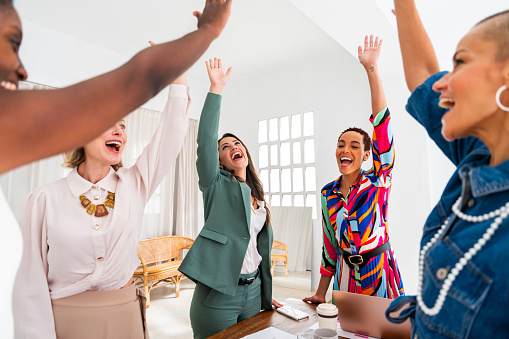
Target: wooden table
266,319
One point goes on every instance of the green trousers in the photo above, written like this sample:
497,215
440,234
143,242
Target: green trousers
212,311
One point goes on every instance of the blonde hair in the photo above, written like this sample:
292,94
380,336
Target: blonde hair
76,157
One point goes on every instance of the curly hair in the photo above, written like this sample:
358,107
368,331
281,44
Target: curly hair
366,140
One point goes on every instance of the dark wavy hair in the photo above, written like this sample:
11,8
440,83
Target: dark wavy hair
366,140
252,179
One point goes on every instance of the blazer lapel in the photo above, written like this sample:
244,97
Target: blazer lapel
246,196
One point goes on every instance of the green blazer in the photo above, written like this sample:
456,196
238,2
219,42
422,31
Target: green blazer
216,257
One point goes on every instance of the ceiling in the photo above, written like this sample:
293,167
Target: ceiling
261,34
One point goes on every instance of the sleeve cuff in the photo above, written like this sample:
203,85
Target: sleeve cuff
324,271
379,117
178,91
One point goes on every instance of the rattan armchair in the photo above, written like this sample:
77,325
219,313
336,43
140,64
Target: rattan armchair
275,258
159,262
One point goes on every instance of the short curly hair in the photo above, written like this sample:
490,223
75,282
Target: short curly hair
366,140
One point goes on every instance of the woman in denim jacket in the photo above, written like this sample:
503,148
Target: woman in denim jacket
463,288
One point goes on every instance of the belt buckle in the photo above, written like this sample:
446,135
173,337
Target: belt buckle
357,259
249,281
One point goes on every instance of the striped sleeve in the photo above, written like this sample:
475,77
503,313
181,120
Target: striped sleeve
330,243
383,146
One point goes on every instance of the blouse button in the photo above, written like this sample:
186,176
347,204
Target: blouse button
96,197
95,187
100,258
96,227
94,288
471,203
442,273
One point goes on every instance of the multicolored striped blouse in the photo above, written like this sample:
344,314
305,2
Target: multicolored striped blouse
362,220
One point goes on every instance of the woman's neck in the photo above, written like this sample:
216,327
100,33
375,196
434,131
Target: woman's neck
92,171
347,180
495,135
241,174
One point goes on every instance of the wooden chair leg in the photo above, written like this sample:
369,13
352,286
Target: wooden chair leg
286,269
272,269
177,289
147,292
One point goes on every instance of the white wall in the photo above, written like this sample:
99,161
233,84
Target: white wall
335,88
55,59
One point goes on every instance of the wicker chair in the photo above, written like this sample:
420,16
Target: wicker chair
159,262
275,258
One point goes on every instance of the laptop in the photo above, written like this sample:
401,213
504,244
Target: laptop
364,314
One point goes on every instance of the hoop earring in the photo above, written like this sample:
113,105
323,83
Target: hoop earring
497,98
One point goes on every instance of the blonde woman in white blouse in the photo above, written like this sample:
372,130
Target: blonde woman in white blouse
81,234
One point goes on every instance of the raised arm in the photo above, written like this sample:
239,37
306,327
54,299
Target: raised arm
419,58
207,162
368,58
37,124
162,151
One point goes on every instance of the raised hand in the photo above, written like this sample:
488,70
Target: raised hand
215,15
218,79
181,80
369,56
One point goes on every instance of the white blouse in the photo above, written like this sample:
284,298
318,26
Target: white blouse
253,258
67,251
10,250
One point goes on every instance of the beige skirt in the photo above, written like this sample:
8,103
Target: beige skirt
102,315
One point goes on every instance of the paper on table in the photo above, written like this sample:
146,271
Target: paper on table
292,300
346,334
271,333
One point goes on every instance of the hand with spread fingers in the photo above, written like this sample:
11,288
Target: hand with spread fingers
215,14
369,56
218,79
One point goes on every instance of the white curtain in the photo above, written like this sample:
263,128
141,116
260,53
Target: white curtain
188,208
174,207
293,226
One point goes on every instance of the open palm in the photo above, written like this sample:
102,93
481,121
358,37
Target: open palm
218,78
371,52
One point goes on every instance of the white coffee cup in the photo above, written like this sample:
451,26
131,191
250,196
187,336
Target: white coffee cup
325,333
327,316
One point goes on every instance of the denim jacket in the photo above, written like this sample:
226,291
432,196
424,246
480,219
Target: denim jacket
477,304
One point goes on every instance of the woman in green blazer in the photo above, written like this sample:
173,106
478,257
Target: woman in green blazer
230,259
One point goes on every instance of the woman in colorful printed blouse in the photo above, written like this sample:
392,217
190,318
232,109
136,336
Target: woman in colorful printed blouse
356,249
463,289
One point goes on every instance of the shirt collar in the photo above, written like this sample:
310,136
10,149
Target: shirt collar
336,187
483,178
261,205
79,185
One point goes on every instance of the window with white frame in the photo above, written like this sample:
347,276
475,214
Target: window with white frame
287,160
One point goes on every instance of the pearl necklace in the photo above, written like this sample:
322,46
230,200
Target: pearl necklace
499,215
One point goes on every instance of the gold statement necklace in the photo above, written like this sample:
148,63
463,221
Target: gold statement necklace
98,211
